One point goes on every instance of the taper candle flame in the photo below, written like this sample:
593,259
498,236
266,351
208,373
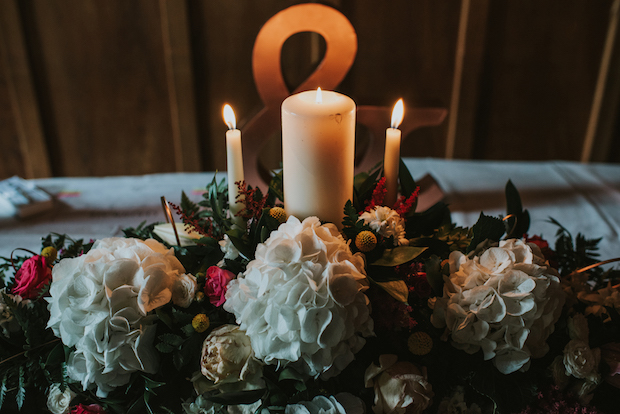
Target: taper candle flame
398,113
229,117
319,95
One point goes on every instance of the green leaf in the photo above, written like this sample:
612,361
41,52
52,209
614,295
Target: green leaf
187,205
289,373
399,255
397,289
21,389
3,388
239,397
486,228
165,348
150,384
171,339
188,329
519,223
164,317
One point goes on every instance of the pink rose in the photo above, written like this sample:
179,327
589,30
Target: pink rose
611,355
32,277
216,284
88,409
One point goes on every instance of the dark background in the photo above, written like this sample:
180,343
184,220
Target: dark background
117,87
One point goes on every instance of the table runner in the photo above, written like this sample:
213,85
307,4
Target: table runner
583,197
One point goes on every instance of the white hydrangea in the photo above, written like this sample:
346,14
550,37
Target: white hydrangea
319,405
505,301
387,223
301,299
100,302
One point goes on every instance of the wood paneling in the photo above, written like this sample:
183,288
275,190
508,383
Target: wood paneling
541,64
25,150
133,87
101,72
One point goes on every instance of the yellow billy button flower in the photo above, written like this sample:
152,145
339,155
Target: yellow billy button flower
420,343
278,213
200,323
50,253
366,241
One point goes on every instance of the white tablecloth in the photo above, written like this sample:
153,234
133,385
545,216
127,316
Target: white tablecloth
583,197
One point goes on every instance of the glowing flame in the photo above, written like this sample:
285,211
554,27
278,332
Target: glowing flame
229,117
398,113
319,95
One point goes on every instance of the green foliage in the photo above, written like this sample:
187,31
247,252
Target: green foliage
575,254
364,184
215,206
518,221
486,228
398,255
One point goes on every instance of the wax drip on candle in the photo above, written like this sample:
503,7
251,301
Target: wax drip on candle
319,95
398,113
229,117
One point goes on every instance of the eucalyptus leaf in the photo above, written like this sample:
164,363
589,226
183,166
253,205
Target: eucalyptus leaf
397,289
399,255
289,373
3,388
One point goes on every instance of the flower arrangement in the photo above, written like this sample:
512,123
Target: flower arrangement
390,311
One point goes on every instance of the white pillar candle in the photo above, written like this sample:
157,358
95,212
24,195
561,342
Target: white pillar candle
318,154
391,158
234,162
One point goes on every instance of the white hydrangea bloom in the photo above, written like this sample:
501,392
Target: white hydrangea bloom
505,301
99,303
387,223
301,299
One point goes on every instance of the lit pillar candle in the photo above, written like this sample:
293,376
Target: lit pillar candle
391,158
234,162
318,154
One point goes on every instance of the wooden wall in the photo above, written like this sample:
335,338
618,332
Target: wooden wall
115,87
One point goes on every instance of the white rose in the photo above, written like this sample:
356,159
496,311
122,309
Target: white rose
227,355
579,360
183,290
318,405
58,402
228,248
387,223
166,233
301,300
399,386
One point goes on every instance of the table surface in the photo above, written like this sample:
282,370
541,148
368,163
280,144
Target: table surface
583,197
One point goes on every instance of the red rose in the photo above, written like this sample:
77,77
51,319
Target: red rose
87,409
32,277
216,284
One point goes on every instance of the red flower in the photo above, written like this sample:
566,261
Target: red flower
88,409
32,277
216,284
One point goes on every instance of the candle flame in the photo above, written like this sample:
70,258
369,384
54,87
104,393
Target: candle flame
319,95
229,117
398,113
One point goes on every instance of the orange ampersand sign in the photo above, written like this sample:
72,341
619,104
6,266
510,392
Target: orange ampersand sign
341,48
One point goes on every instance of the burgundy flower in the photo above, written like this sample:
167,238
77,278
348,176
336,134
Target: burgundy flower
32,277
216,284
88,409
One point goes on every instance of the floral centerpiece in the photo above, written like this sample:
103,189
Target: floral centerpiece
390,311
